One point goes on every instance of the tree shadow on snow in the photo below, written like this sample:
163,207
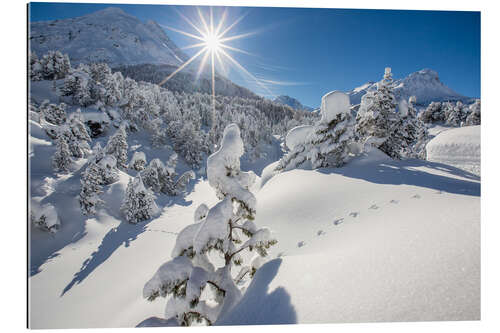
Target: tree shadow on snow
404,172
258,306
124,234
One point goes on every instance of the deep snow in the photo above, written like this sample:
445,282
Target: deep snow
377,240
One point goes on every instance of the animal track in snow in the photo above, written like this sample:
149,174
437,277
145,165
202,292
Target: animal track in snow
416,196
354,214
394,201
338,221
373,207
320,232
301,243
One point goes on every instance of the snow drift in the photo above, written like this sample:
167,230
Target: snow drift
460,147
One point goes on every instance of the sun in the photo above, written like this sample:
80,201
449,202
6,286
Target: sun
213,42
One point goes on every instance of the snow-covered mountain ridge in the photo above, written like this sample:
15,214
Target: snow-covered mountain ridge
424,84
109,35
292,102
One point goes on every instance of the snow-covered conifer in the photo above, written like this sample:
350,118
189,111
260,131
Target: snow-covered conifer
138,161
182,182
77,135
160,177
78,85
155,176
77,126
118,147
55,65
138,204
61,161
53,113
377,123
45,217
326,144
413,129
220,229
457,115
90,181
35,69
434,113
474,117
108,170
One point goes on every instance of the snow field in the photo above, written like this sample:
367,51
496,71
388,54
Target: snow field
377,241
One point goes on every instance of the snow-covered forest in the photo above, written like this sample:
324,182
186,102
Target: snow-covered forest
150,207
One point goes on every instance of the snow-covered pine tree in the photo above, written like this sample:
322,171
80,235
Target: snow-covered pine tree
77,126
414,130
118,147
108,170
35,69
327,144
90,181
53,113
156,177
77,135
434,113
78,85
139,203
474,117
55,65
221,230
138,161
182,182
457,115
377,123
333,133
61,161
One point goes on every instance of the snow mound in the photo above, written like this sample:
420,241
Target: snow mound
298,135
459,147
333,103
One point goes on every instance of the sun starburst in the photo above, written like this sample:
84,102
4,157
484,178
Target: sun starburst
213,39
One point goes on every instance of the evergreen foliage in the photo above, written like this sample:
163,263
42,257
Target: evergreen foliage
377,123
220,229
138,204
61,161
91,181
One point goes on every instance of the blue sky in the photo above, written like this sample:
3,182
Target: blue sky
313,51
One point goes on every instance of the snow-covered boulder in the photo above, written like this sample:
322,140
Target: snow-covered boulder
333,103
459,147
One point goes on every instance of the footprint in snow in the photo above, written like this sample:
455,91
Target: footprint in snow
394,201
373,206
320,232
354,214
338,221
301,243
416,196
